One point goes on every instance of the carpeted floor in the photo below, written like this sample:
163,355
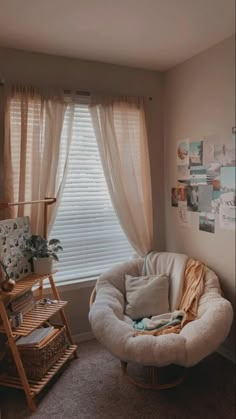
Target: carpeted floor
93,388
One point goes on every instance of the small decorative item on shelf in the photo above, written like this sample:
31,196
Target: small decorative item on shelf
6,284
47,301
42,253
16,319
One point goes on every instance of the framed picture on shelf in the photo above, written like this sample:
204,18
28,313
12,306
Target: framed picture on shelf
13,236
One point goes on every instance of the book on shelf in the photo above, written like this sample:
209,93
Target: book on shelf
36,337
48,337
23,303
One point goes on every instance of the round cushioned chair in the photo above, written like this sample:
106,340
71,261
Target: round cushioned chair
197,339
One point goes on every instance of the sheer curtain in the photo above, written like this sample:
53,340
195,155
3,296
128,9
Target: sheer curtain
35,157
120,130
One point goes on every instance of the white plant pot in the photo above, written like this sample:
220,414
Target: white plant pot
43,266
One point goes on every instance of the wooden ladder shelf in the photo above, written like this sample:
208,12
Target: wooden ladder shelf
33,319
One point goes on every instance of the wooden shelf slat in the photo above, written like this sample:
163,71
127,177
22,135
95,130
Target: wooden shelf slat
36,317
37,386
22,286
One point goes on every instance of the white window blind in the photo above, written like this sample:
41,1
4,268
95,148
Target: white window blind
86,222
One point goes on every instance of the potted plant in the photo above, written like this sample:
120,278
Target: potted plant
42,253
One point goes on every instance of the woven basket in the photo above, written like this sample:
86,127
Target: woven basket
37,361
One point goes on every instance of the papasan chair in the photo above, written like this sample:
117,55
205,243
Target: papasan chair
195,339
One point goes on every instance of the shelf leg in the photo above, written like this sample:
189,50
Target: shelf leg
17,358
62,314
40,289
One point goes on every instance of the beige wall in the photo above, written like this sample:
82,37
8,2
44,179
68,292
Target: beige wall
77,308
48,70
200,101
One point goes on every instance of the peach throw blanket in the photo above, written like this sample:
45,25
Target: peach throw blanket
192,291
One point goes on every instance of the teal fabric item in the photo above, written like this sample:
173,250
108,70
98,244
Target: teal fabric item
140,325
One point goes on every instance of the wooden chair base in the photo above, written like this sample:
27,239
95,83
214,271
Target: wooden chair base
153,385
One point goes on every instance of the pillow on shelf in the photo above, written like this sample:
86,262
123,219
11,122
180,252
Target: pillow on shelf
146,296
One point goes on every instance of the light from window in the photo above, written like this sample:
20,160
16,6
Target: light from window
86,222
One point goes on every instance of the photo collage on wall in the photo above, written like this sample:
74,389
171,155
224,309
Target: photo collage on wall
206,183
13,236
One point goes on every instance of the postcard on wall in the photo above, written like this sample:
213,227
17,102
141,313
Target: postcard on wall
182,153
183,174
213,175
13,236
196,153
192,197
184,215
208,148
215,203
205,198
207,222
174,197
177,194
227,179
228,199
182,193
225,154
227,217
198,175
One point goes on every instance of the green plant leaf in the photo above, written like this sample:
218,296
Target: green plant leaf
54,255
38,247
54,241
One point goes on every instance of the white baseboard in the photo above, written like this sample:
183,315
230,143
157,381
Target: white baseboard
227,354
83,337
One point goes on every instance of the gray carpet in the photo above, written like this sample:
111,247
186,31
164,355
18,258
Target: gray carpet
92,387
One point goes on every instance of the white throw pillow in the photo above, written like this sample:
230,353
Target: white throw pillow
146,295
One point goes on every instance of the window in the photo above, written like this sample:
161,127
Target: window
86,222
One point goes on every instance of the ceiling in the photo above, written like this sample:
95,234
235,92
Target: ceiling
151,34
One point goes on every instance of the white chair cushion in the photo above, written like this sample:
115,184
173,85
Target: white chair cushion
196,340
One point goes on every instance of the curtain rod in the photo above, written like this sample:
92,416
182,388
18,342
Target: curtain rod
78,92
86,93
